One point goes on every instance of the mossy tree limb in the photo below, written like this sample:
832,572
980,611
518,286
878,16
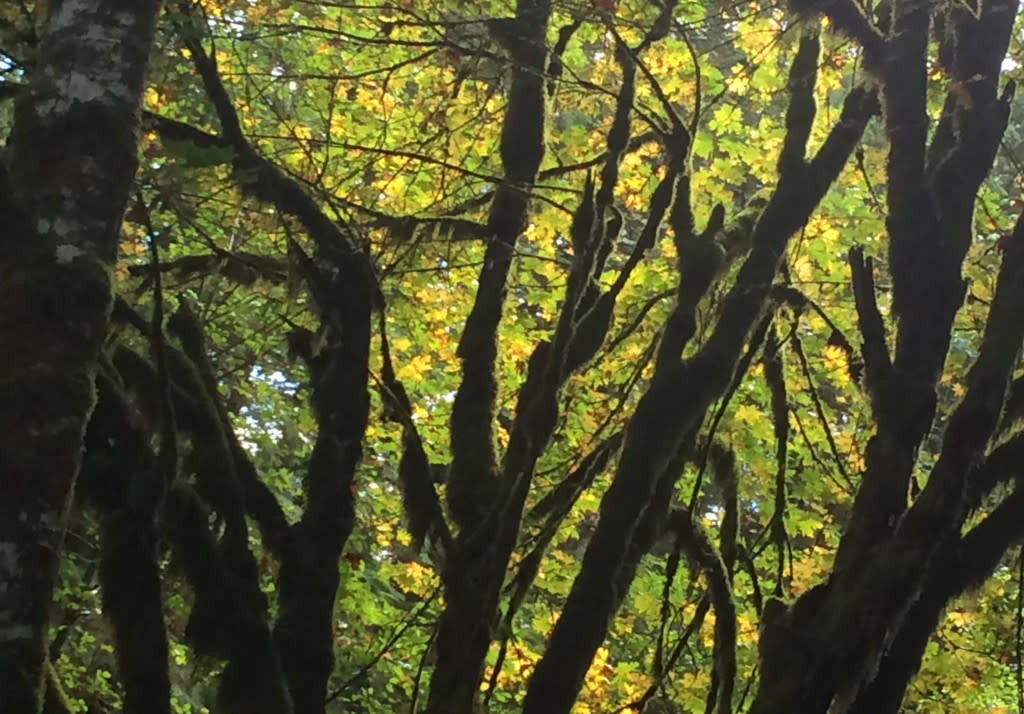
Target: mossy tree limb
258,177
474,573
122,480
700,548
580,331
229,615
308,578
228,618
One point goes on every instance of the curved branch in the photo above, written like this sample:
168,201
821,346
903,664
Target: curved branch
700,548
261,179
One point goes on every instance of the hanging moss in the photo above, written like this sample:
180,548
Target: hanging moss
120,480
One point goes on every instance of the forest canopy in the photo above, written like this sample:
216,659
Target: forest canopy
536,356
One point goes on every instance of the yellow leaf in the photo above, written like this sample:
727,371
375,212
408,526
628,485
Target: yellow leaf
804,269
836,362
980,289
747,414
152,99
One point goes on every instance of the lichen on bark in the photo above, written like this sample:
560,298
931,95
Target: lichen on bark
67,168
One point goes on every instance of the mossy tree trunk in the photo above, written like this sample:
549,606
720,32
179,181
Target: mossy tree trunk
66,173
486,513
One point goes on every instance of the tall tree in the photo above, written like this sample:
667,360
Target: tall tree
67,169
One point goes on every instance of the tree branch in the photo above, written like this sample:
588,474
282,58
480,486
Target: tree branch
877,363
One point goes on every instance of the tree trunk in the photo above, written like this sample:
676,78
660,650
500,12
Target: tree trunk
68,167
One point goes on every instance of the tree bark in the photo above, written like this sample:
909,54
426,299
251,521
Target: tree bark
68,167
